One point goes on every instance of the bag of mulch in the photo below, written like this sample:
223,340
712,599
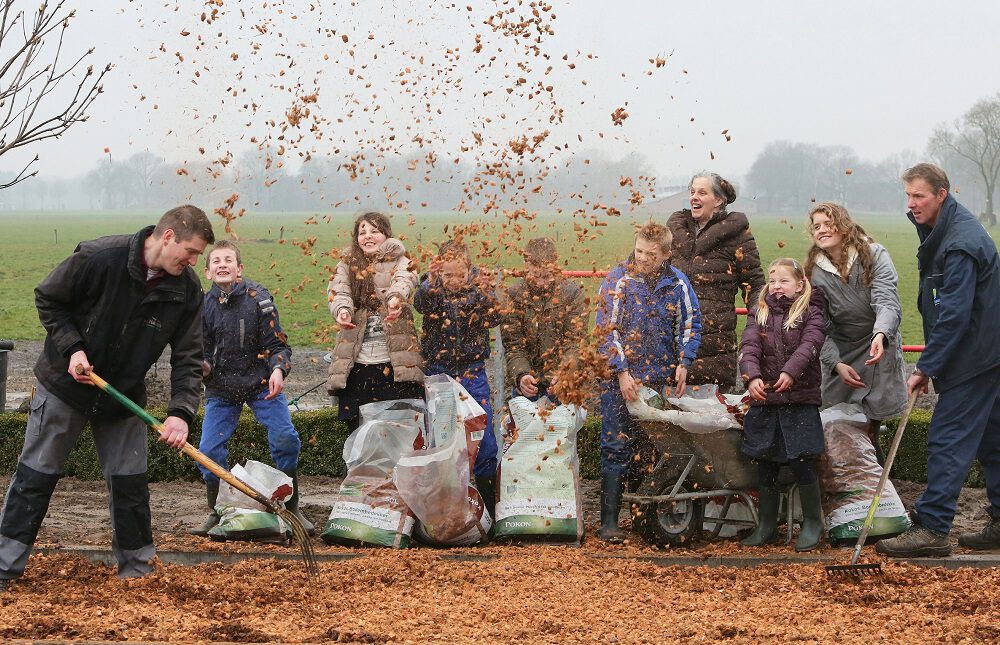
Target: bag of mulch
539,475
701,411
368,510
852,475
437,483
241,518
408,411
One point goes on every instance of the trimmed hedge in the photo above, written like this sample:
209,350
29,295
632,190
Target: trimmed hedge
911,460
323,437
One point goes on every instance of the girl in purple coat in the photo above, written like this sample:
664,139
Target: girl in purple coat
779,361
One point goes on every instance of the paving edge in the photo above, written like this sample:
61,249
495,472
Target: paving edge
190,558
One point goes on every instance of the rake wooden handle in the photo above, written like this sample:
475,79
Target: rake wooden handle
187,448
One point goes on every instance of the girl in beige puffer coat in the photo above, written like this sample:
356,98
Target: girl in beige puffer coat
377,356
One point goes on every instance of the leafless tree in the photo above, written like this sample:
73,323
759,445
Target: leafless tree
32,69
975,137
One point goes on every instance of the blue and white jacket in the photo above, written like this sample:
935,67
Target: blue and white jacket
648,327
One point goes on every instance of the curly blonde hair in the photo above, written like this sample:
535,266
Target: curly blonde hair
853,237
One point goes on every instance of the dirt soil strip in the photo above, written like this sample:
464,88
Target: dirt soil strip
530,594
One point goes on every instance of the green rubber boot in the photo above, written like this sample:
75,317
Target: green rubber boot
767,518
611,503
812,517
212,493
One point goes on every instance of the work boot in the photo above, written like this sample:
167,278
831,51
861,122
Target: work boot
812,517
4,585
611,503
293,503
767,518
988,538
917,542
487,487
212,493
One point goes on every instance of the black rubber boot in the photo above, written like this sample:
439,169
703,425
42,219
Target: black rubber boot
487,487
611,503
212,493
293,503
812,517
767,518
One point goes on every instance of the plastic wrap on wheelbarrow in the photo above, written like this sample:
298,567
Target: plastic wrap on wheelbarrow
696,415
851,477
539,474
241,518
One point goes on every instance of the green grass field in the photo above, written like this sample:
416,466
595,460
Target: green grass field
32,243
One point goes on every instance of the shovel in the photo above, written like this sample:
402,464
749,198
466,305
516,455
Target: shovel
874,569
298,531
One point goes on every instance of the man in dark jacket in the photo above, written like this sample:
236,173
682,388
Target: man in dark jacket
112,306
959,301
247,358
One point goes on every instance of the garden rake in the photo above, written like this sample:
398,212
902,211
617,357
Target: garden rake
874,569
298,531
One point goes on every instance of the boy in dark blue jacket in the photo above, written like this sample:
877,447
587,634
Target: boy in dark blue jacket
246,360
459,309
650,329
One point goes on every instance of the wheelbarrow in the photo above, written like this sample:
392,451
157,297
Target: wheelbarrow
699,461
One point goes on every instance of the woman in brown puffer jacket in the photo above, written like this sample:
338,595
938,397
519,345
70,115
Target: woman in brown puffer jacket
717,252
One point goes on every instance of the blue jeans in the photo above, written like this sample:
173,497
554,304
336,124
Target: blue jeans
476,383
221,418
965,426
622,439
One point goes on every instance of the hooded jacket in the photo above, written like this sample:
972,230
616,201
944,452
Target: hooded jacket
244,341
542,327
648,328
456,327
722,262
959,297
96,300
766,352
392,275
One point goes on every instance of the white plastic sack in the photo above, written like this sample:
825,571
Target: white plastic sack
369,509
853,476
539,474
242,518
698,411
405,411
437,483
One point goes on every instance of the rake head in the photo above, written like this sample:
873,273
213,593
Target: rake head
300,535
854,570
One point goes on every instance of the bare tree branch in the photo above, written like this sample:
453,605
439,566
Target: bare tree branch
33,105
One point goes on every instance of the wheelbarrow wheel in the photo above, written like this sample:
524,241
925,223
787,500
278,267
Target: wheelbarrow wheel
674,524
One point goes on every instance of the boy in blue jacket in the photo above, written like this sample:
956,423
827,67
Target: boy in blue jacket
459,309
246,360
650,329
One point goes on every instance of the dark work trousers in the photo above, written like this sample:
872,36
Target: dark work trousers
52,432
965,426
626,450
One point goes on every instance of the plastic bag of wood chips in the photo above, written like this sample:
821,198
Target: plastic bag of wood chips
539,474
852,476
241,518
408,411
369,511
701,411
437,483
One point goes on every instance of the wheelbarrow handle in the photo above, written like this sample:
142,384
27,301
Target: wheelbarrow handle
187,448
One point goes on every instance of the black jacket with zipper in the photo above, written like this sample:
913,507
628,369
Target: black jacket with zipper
96,300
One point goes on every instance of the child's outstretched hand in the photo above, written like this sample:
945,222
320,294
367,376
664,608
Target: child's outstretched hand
784,382
877,349
756,389
276,384
395,308
680,376
344,319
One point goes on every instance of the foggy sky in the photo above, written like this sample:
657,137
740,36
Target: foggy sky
875,76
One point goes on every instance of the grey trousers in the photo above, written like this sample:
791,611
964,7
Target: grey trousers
52,432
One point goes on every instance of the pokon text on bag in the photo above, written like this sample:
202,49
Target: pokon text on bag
539,473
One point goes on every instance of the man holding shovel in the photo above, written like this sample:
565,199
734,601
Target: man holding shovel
112,306
959,301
